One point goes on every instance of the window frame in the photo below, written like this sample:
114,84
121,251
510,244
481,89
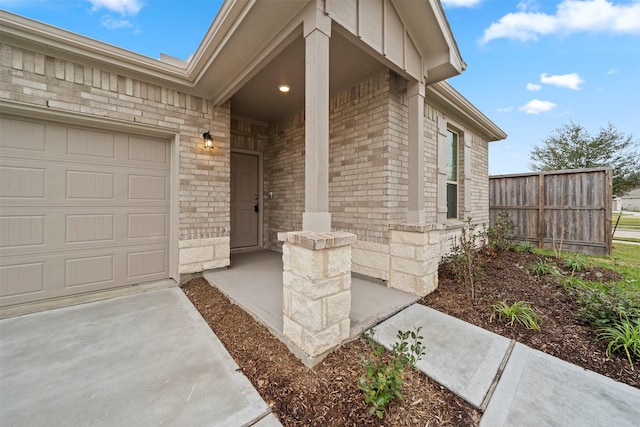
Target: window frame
455,164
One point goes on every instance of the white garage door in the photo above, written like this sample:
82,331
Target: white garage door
81,210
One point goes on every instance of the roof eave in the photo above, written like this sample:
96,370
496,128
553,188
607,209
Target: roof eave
49,39
446,97
437,45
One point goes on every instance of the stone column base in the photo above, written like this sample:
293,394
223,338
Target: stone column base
316,292
414,257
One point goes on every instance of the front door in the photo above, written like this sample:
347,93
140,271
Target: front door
245,205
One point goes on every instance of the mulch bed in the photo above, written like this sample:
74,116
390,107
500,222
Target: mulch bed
328,394
562,334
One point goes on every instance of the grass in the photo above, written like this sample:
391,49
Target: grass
626,221
625,259
626,239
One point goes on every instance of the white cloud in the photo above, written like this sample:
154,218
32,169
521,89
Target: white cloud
115,24
123,7
612,71
533,87
535,106
460,3
505,109
570,81
571,16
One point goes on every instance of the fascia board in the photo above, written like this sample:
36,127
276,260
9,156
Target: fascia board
223,26
445,97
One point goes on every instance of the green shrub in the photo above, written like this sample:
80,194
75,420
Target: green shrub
525,246
575,262
604,305
624,334
519,312
464,260
501,235
382,381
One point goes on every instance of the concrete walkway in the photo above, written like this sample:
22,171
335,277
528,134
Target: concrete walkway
254,282
514,384
146,360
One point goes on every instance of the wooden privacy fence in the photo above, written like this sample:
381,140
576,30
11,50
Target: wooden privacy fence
570,207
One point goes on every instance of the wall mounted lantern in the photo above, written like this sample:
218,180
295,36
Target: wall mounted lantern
208,140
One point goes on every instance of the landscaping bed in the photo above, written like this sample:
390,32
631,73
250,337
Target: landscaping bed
328,394
562,334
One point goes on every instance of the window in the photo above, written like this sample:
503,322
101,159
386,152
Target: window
452,174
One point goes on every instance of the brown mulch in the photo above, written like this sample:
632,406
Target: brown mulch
562,334
328,394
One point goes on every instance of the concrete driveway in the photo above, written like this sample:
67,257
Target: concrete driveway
141,360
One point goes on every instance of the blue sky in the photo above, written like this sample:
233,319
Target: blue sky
533,65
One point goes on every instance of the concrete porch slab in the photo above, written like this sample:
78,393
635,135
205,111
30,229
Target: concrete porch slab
144,360
458,355
537,389
254,282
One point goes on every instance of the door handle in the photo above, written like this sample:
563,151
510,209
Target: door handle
256,207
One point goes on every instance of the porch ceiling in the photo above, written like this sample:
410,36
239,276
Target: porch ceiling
260,99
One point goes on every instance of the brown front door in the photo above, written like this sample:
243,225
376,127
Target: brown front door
244,200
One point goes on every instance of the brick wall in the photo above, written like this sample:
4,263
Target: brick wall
368,153
38,79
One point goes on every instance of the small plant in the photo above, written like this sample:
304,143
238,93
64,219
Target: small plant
464,258
603,306
622,335
542,268
501,235
575,262
572,283
519,312
383,378
525,246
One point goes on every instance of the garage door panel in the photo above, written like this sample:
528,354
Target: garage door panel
91,144
18,231
57,142
147,225
22,279
35,231
144,265
32,183
148,187
90,228
21,135
93,270
81,210
148,151
22,182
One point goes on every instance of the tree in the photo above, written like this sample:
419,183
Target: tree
572,147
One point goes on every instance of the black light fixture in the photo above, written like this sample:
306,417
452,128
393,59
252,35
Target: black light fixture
208,140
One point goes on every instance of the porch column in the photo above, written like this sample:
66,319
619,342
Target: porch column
317,30
317,292
416,213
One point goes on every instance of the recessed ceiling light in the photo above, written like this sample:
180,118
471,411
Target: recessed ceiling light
284,88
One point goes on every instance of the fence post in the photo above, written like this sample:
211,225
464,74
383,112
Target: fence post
608,210
541,223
